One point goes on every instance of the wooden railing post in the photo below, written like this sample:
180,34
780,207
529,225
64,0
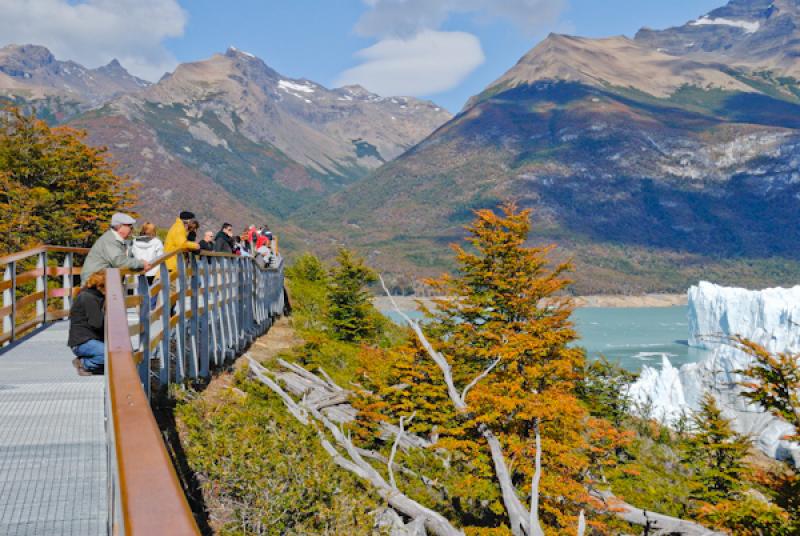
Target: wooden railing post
233,289
227,307
219,311
67,281
163,373
205,319
248,299
144,337
10,300
41,286
241,266
180,359
193,321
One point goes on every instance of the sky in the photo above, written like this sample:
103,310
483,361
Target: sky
442,50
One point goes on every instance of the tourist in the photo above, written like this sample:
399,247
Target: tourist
86,326
148,247
207,243
264,236
177,239
241,247
263,257
223,242
111,249
191,230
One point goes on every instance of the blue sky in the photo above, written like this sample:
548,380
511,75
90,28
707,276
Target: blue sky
445,50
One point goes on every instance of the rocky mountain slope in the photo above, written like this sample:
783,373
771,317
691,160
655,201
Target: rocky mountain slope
271,143
30,75
651,167
752,35
227,136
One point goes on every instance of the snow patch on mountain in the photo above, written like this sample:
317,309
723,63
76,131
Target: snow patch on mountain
291,86
747,26
770,317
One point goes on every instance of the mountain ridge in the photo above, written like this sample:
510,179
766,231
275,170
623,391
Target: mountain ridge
650,169
262,142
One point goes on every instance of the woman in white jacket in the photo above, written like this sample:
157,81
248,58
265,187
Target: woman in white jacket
148,247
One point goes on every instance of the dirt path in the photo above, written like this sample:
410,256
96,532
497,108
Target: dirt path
280,337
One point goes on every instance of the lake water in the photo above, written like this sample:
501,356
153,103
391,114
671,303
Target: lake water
631,337
638,336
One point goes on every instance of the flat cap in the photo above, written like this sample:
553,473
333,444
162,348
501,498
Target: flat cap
121,219
186,215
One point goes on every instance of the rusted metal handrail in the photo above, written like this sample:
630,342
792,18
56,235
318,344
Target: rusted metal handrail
12,328
146,496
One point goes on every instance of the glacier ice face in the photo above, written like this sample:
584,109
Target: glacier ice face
770,317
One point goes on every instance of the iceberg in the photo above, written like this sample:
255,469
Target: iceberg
770,317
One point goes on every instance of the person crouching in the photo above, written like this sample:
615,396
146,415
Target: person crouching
86,326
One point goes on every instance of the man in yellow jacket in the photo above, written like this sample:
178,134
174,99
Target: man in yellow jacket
176,238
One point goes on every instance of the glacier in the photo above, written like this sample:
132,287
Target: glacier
770,317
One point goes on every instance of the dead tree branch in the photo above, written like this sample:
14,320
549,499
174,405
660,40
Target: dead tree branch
394,448
355,462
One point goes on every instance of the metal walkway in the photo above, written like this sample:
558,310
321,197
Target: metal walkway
53,463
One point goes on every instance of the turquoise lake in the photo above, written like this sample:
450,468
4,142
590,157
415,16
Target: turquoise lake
631,337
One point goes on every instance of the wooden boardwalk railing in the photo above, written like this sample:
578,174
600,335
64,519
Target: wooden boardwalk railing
33,282
186,323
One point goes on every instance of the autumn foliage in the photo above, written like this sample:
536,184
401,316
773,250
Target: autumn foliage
505,306
53,187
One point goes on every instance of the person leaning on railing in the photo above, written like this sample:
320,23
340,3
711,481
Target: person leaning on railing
111,249
86,323
224,242
177,238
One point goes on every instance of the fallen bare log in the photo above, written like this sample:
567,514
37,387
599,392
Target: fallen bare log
659,524
355,463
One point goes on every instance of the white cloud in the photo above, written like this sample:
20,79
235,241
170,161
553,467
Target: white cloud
93,32
427,63
414,57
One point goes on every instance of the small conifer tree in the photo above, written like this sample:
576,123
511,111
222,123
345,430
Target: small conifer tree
349,310
716,453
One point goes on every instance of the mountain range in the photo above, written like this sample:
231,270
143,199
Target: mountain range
227,135
652,161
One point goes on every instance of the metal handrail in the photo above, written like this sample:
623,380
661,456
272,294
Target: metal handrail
12,329
205,313
145,496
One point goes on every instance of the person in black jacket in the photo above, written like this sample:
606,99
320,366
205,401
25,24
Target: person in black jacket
223,242
86,326
207,243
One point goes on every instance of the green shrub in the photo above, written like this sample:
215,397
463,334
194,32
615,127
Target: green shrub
264,471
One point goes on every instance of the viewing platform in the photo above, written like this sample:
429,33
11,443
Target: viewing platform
53,467
82,455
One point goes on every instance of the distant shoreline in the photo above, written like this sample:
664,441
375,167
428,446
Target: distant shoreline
615,301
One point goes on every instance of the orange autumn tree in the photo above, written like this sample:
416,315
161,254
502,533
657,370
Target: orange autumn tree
503,336
53,187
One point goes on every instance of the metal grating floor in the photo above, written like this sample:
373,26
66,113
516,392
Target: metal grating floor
52,441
